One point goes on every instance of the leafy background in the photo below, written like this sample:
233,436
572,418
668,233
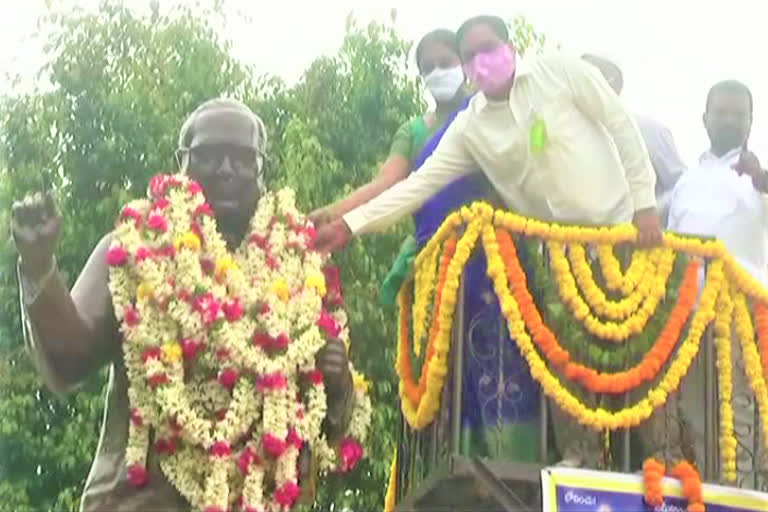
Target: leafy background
112,95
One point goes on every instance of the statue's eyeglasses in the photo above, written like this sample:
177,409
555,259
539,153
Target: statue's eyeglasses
208,159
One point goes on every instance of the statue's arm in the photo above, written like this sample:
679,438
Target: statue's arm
72,334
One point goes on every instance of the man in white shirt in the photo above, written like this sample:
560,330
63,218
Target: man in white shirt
658,139
725,197
553,140
591,167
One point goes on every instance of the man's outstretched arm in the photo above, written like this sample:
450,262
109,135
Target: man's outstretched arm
450,161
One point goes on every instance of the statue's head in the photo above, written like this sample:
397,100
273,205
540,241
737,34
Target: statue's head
221,146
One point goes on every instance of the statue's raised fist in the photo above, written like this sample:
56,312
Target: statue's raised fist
35,227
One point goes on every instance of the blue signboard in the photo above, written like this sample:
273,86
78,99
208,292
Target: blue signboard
578,490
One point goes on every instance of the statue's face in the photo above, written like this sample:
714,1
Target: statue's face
224,160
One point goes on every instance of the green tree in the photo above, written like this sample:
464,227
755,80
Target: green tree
120,87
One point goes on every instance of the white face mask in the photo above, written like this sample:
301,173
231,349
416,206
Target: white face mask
444,83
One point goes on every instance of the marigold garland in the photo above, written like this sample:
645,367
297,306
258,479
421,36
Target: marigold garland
415,391
615,280
691,481
595,297
219,346
761,321
582,344
420,412
546,340
723,333
530,333
653,474
613,331
390,499
752,364
599,418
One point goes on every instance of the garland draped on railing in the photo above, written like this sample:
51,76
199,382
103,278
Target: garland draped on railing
577,316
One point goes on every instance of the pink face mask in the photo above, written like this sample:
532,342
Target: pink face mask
492,70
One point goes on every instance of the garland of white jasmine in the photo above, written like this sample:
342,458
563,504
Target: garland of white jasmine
220,348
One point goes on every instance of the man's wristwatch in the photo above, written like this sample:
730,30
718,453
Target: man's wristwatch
32,288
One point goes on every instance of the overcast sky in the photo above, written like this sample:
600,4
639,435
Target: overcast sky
670,53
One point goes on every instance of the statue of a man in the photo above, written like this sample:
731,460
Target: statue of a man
74,333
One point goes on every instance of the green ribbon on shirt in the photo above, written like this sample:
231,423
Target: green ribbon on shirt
538,136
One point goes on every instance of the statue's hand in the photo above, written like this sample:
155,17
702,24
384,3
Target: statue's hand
333,363
36,228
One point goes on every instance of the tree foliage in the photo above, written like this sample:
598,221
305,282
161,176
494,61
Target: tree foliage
120,87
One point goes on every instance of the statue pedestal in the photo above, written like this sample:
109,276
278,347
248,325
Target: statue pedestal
466,483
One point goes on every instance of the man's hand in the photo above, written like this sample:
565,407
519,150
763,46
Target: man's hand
333,236
333,363
749,164
648,228
321,216
36,227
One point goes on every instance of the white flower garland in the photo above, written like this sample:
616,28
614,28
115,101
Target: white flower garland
220,348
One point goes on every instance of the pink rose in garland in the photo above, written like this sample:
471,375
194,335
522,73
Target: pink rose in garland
288,493
116,256
327,323
131,316
208,307
273,445
157,222
351,452
334,296
221,449
131,213
233,310
228,378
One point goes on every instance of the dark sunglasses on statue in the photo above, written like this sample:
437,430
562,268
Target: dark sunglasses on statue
208,159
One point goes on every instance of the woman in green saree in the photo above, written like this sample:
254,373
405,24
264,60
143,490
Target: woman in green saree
440,68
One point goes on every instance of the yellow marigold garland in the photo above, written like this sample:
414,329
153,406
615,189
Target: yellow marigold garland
613,331
752,364
728,442
390,499
481,217
615,280
623,308
599,418
422,413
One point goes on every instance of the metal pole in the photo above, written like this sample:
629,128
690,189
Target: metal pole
458,370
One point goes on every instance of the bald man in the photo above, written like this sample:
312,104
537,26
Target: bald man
658,139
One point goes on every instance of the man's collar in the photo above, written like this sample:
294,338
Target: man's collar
708,156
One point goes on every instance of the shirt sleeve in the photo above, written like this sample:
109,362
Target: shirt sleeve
595,98
450,161
402,142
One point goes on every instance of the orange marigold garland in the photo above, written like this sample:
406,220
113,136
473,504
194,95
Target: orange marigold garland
653,473
414,390
689,477
546,340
